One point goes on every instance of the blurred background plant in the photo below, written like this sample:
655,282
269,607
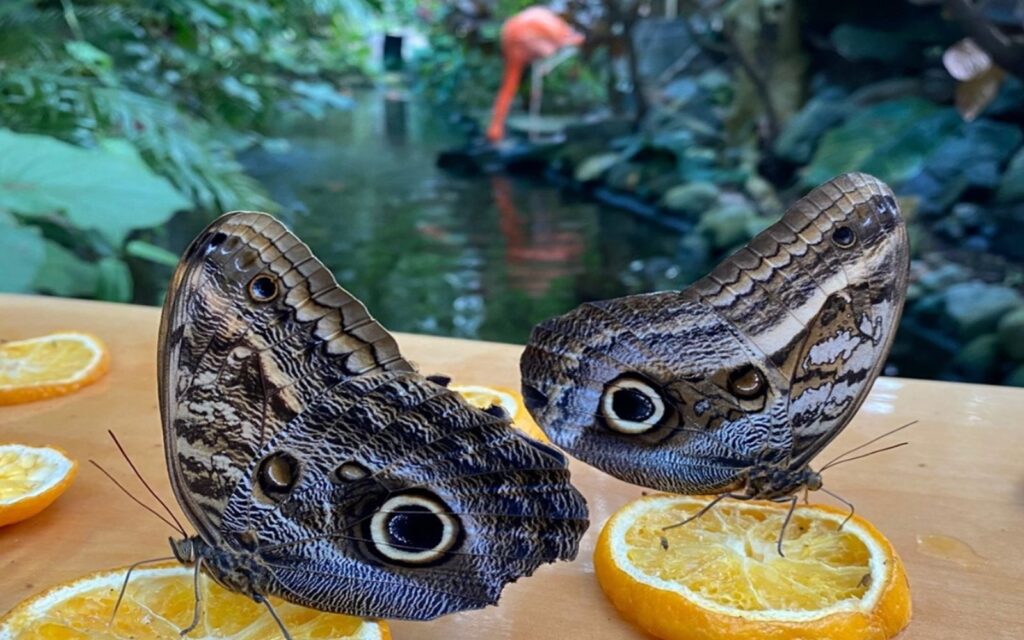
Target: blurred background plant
105,101
684,127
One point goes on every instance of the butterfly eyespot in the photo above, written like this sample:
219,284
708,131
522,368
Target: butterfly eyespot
351,471
414,529
215,241
632,406
263,288
844,237
277,474
747,383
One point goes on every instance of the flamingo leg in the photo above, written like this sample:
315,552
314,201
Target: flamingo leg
538,71
536,95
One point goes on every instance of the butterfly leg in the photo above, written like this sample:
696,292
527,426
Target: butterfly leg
273,614
197,608
792,500
844,501
124,585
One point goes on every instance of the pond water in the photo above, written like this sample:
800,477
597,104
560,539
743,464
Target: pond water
427,251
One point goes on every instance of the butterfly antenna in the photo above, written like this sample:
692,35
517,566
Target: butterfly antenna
176,527
836,463
127,577
146,484
868,444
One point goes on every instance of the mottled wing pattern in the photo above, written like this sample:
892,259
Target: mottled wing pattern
317,465
509,498
233,370
762,361
823,314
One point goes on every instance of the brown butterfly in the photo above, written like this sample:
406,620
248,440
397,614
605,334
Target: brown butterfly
315,463
734,384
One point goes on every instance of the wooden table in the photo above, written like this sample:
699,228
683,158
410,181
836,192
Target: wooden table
962,478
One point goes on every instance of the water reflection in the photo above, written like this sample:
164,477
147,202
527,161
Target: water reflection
430,252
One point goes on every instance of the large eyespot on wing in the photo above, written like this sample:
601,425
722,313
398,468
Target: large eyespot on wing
632,405
626,385
413,528
253,327
410,504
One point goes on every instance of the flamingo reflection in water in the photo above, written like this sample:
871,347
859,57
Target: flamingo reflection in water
537,251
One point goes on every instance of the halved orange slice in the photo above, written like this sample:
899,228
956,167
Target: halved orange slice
484,397
50,365
159,603
31,478
720,576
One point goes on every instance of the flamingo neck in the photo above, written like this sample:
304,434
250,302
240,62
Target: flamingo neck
502,103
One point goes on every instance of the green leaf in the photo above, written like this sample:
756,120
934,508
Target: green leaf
95,188
890,140
22,254
114,282
95,60
146,251
65,274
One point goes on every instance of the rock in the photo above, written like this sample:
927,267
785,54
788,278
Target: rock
624,176
690,200
943,276
1016,378
800,136
728,225
969,158
1011,334
976,307
1011,187
978,360
595,166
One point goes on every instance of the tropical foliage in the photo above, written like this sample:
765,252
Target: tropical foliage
119,113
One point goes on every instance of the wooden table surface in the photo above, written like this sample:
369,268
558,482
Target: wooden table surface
961,479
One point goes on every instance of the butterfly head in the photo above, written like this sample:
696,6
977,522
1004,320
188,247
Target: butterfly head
768,481
185,550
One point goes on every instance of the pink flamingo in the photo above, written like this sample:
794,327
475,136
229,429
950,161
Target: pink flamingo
534,34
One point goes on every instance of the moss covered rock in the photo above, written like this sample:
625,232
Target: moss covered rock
975,308
690,200
1011,334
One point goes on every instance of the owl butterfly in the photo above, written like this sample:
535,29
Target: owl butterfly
734,384
315,463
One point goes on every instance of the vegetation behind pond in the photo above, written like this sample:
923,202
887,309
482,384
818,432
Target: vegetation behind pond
120,116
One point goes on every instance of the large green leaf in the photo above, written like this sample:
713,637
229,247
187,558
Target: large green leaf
95,188
65,274
890,139
21,255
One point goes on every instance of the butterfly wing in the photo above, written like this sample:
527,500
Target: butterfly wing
411,505
763,360
290,416
253,326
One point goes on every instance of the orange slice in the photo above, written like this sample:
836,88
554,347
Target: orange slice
159,603
31,478
720,576
51,365
484,397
